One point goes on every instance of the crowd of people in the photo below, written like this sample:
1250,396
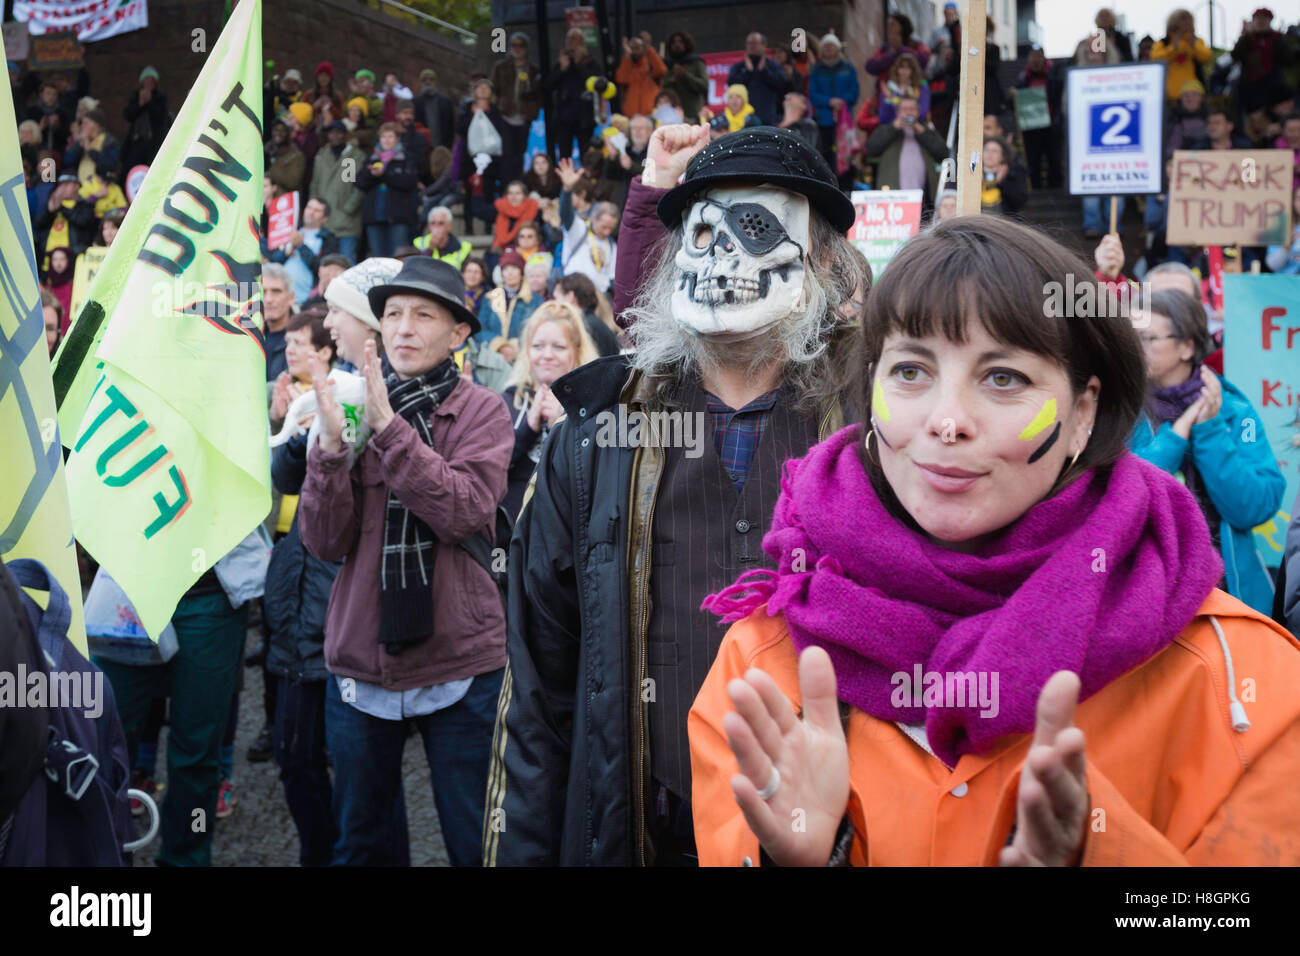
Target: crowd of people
472,556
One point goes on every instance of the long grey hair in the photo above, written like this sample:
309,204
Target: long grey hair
836,279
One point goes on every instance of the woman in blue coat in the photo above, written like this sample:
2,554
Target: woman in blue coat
1204,430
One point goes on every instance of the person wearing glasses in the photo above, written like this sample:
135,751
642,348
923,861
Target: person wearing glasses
1204,430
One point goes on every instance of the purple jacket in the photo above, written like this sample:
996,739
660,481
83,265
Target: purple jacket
638,233
455,490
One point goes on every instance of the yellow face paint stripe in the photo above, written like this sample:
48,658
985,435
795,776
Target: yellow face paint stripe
878,403
1046,415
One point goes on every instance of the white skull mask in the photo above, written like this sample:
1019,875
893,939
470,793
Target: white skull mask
741,260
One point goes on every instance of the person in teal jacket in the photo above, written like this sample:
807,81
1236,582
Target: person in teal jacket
1202,429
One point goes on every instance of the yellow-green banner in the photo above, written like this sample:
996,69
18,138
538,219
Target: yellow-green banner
162,376
34,519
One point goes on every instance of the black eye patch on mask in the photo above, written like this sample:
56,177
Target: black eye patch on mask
753,226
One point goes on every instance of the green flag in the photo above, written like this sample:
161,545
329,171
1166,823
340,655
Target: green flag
34,519
163,377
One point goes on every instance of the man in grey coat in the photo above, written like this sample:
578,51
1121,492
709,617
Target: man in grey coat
334,179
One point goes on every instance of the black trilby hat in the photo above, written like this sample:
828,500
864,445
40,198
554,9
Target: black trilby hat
431,278
767,155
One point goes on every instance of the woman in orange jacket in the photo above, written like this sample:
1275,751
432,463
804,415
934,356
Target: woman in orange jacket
638,76
992,635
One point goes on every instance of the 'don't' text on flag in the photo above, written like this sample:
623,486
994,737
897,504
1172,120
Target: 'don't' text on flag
162,376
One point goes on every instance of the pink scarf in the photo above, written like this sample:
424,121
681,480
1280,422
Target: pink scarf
1095,580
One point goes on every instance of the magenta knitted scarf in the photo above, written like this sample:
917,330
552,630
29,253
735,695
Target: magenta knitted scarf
1095,580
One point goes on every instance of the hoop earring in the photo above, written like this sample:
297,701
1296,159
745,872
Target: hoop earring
1074,460
868,443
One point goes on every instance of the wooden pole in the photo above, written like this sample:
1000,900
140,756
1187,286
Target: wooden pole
1114,209
970,134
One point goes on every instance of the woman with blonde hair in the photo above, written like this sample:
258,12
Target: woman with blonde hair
554,342
1183,51
904,79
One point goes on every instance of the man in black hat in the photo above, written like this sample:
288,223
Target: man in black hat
656,490
415,628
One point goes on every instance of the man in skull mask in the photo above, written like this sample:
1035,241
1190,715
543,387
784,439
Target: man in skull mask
657,488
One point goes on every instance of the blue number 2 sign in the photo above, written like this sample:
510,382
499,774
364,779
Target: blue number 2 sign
1115,127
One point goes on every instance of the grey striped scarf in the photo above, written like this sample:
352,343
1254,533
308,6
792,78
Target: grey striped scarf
406,569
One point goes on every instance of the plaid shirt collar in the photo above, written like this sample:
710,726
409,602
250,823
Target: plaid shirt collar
737,432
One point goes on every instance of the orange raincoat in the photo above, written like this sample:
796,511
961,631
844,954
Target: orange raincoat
1171,780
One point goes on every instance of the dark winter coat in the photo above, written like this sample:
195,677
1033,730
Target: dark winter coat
297,584
147,126
401,176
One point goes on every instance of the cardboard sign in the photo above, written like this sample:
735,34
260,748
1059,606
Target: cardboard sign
282,222
1031,109
1224,197
1261,351
56,51
1114,121
886,218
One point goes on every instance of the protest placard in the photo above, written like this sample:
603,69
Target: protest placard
1114,119
886,219
88,264
718,67
1031,108
134,180
1261,352
584,19
56,51
1231,196
282,221
17,41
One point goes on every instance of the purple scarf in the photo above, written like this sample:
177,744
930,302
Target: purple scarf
1169,402
1095,580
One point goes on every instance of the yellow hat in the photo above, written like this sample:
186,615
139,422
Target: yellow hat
1191,86
740,90
302,112
361,102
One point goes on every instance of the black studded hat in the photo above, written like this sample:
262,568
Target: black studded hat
766,155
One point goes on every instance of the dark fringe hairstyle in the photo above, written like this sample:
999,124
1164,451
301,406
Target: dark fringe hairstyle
999,272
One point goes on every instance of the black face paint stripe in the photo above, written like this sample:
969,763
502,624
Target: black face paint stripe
1043,448
885,441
